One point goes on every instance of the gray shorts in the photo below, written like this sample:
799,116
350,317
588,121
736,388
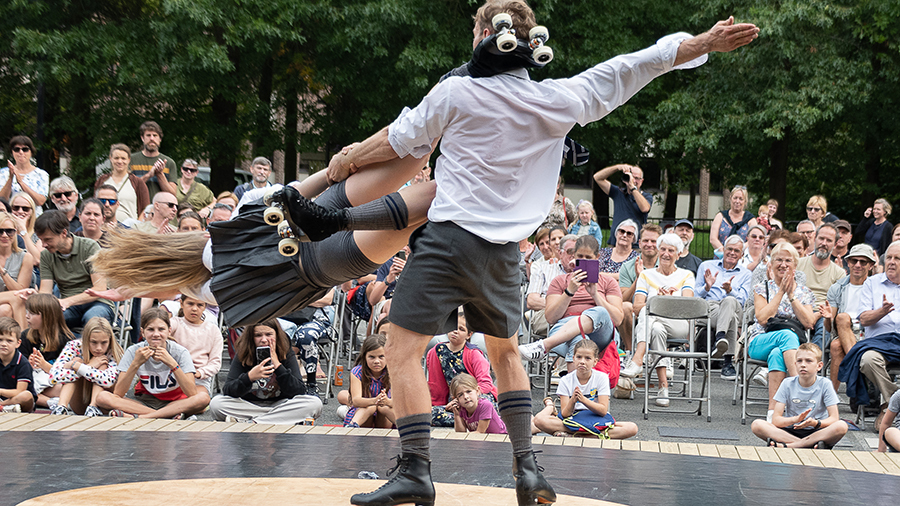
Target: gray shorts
451,267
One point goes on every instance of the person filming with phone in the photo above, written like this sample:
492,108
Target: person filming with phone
583,303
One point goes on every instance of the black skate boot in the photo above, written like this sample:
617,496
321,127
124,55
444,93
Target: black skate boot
315,221
531,487
411,484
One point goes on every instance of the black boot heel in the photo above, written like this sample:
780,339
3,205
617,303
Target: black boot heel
531,486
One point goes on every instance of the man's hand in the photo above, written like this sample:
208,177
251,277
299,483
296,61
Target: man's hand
886,306
727,284
709,278
340,168
396,268
726,36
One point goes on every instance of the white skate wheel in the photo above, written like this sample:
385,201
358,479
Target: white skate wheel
500,21
284,230
506,42
288,247
539,32
267,198
542,54
273,216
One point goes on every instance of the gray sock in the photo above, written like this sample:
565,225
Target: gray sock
515,410
334,197
415,434
387,213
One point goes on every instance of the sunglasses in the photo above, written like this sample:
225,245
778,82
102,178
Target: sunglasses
224,206
109,202
60,195
11,232
21,208
814,209
625,233
854,261
170,204
189,170
21,149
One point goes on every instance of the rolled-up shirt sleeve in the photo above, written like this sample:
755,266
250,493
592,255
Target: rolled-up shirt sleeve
413,132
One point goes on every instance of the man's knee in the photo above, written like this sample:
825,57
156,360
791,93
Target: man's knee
843,320
871,360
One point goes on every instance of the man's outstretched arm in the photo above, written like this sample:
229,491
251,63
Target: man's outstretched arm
725,36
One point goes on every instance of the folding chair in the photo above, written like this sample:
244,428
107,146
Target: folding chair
680,308
747,369
123,324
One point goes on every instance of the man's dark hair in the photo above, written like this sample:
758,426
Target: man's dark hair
151,126
106,187
54,221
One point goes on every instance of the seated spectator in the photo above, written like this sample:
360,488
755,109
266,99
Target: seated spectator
109,198
733,221
16,384
166,385
15,267
26,178
841,244
42,342
228,198
221,212
472,412
612,259
889,429
190,222
91,218
370,388
628,277
64,196
86,367
562,212
842,306
807,229
305,340
265,387
665,280
132,194
782,296
23,212
193,192
66,261
725,285
164,205
687,260
584,401
579,310
203,340
895,236
874,230
382,289
260,168
586,224
527,254
542,273
147,215
821,273
806,411
817,211
445,362
773,208
755,249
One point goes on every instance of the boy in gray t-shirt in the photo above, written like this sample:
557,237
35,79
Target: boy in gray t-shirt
889,430
806,413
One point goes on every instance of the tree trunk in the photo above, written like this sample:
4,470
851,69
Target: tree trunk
291,138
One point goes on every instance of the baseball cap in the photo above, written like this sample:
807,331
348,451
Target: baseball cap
685,222
843,224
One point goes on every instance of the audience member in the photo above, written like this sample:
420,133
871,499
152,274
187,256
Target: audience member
260,168
762,218
228,198
817,211
562,212
203,340
528,253
26,178
42,342
166,383
687,260
191,191
155,169
164,205
386,277
806,411
843,306
629,202
64,195
370,388
92,220
190,222
16,385
842,244
220,212
629,274
132,194
147,214
586,224
725,285
305,339
612,259
23,210
472,412
821,273
735,220
874,230
790,304
109,197
584,401
889,428
773,208
755,251
86,367
16,266
664,280
554,263
807,229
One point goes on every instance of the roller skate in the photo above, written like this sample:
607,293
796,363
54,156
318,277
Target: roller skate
411,484
306,220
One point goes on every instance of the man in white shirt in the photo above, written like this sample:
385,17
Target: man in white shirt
844,303
493,188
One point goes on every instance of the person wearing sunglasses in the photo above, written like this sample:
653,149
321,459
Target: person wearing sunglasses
192,191
164,211
26,178
64,196
109,198
817,211
157,170
131,192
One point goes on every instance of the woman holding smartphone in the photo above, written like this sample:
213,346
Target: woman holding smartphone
577,307
264,383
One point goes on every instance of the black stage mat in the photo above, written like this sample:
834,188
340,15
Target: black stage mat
35,464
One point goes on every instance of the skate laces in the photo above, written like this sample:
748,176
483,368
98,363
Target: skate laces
398,462
535,452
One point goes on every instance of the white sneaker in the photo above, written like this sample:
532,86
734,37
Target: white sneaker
532,351
761,377
52,403
234,419
92,411
631,370
662,398
12,408
342,411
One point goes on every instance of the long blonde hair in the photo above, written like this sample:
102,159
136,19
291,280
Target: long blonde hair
98,325
152,263
13,243
29,223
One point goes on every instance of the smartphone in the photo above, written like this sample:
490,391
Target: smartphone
262,353
401,255
591,267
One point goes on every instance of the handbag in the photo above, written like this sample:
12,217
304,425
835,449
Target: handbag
785,322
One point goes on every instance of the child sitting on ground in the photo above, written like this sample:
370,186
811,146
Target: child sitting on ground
86,367
584,401
889,430
201,336
806,412
42,342
370,388
16,385
471,411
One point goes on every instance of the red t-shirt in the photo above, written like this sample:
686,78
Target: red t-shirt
582,300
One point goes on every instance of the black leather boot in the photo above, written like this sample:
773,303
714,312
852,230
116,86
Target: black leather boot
531,487
313,220
410,484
